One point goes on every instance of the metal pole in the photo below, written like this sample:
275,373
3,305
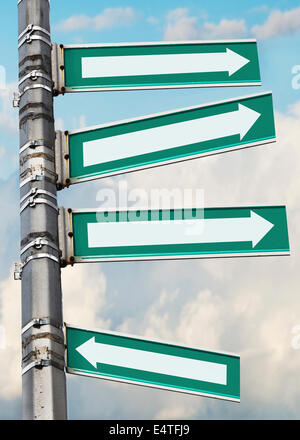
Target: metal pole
43,374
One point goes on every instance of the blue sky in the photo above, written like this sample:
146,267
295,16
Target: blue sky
243,306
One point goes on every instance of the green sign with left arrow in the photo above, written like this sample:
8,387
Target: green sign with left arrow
125,358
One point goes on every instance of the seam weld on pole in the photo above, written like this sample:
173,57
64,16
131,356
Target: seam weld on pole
43,362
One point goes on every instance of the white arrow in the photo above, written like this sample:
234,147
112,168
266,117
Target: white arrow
147,233
151,140
98,353
165,64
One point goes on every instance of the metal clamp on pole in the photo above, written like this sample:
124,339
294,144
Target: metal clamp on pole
41,364
33,145
34,192
35,86
32,202
27,37
17,95
20,266
32,178
39,322
38,243
33,199
34,75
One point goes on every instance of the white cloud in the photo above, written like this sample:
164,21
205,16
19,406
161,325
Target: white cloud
224,29
84,296
181,26
278,23
109,18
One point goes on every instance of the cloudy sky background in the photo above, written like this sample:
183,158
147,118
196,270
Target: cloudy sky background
248,306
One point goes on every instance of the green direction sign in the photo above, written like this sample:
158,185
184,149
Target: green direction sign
125,235
130,359
165,138
129,66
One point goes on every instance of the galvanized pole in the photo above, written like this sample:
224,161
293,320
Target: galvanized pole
43,374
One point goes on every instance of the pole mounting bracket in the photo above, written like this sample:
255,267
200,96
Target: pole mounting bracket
58,73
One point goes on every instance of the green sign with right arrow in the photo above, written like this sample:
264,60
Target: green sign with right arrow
131,66
164,138
123,235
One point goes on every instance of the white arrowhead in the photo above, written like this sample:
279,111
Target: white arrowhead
246,118
260,228
235,61
87,350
